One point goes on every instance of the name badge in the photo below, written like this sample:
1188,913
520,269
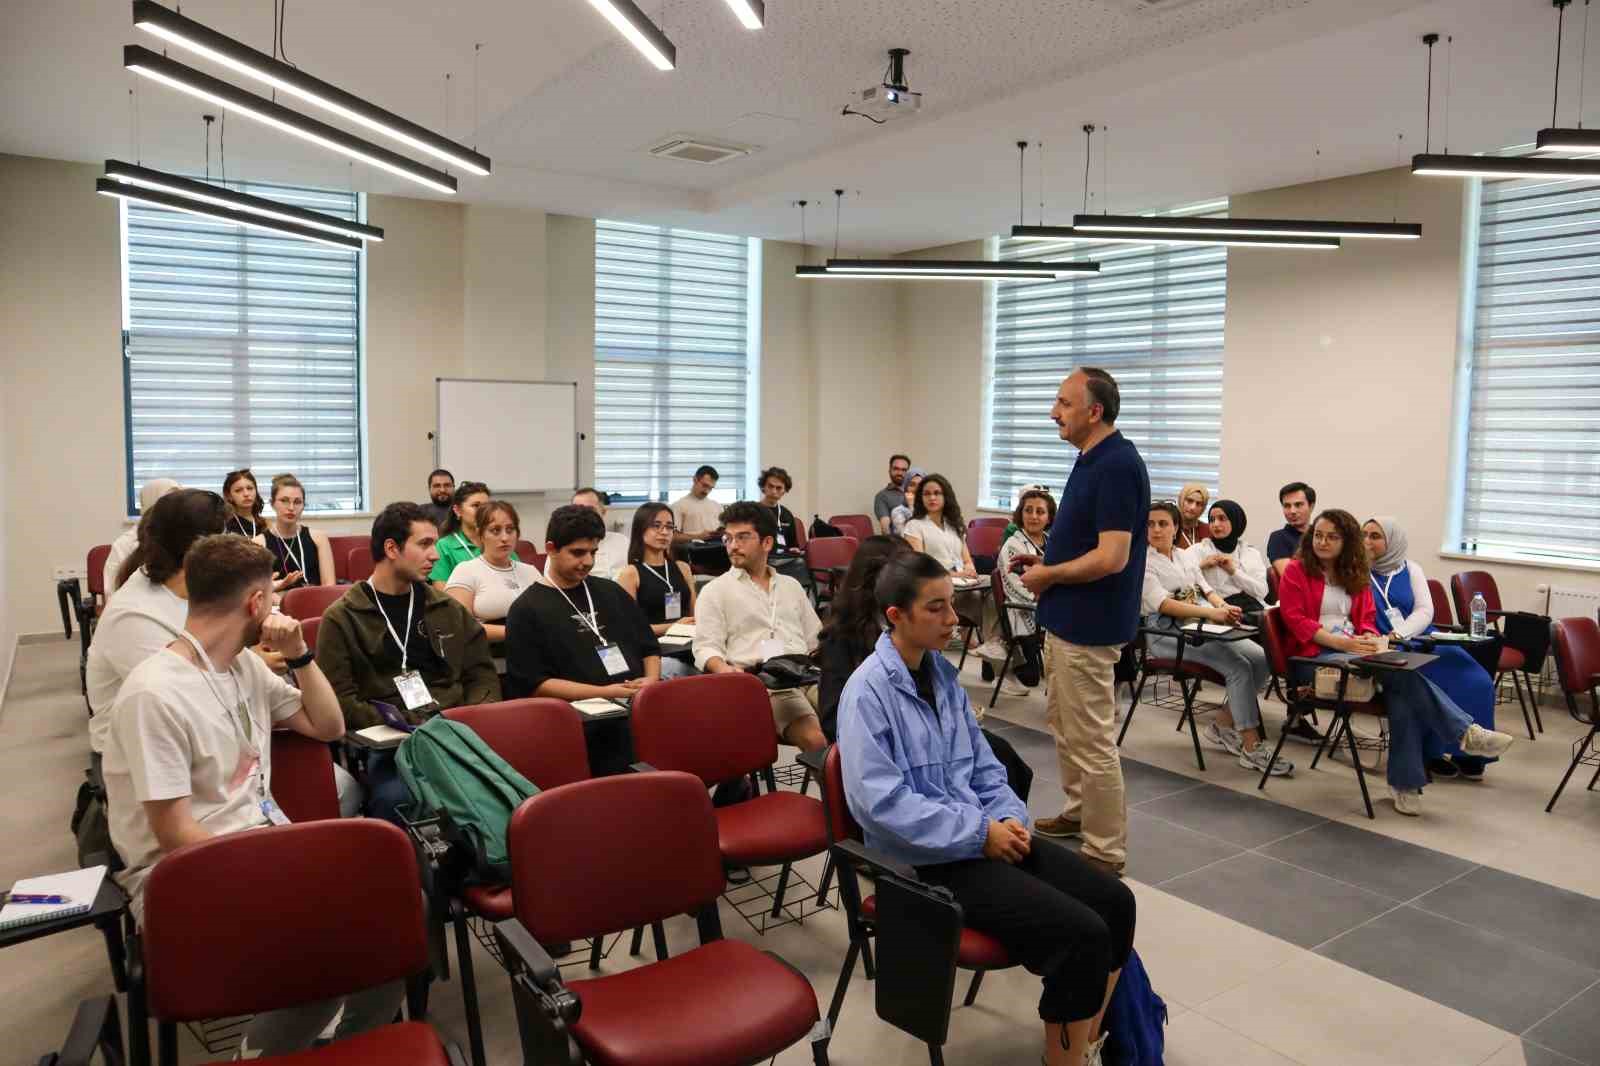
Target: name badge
413,690
782,541
612,659
674,606
1395,617
771,648
273,812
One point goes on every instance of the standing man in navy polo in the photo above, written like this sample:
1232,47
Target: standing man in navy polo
1088,589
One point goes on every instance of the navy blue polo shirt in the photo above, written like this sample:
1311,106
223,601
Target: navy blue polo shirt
1108,489
1283,543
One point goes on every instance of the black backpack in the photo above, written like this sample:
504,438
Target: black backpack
819,528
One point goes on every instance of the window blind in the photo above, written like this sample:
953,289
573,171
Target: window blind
1532,461
243,349
1153,317
672,358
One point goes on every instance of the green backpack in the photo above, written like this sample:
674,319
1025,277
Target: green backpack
451,772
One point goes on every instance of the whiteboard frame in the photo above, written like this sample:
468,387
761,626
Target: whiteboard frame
577,434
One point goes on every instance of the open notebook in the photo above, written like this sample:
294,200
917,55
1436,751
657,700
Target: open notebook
681,634
79,887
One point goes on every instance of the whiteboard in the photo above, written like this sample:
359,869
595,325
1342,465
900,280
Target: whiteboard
514,436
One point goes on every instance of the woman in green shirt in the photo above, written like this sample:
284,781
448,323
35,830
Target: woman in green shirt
460,540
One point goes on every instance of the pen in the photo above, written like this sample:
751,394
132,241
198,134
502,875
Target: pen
25,898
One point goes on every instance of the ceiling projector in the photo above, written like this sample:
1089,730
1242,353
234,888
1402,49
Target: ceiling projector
890,99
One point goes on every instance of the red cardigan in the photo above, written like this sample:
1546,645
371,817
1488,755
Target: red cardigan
1300,604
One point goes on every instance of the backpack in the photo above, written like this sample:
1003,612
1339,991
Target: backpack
452,773
1134,1019
819,528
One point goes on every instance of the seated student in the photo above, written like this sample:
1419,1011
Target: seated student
662,586
1404,608
1174,594
752,614
395,639
441,493
245,504
937,529
1234,570
303,556
1298,500
1192,527
889,497
613,552
1035,514
774,483
190,756
488,585
459,539
1327,604
696,513
928,791
901,513
128,539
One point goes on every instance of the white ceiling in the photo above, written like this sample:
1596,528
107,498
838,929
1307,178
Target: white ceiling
1207,98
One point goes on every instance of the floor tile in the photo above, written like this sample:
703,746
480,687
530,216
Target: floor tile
1321,1013
1369,860
1521,1052
1296,905
1560,922
1492,978
1249,821
1195,1040
1145,782
1574,1030
1193,955
1159,850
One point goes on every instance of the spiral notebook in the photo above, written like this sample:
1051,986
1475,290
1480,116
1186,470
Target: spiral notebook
80,887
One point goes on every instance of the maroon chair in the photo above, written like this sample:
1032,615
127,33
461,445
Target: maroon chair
984,539
342,547
1513,661
1003,605
88,608
828,558
526,551
859,526
719,728
329,911
302,777
358,564
311,601
995,521
723,1003
1187,673
1441,604
1578,667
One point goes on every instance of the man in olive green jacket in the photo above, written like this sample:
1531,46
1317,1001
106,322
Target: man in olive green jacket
398,640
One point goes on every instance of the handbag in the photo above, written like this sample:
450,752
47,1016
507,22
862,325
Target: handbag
1357,690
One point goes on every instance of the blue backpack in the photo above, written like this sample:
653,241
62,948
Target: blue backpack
1135,1019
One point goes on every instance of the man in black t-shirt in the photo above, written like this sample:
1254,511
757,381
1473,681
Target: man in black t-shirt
574,636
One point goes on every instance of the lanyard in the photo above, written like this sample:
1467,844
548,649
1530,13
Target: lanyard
239,522
288,552
403,645
1384,592
665,576
591,619
466,545
772,601
239,713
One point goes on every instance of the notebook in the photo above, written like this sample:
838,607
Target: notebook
382,736
79,886
1210,627
681,633
597,705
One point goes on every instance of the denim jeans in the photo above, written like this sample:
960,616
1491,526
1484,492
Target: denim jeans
1243,666
386,789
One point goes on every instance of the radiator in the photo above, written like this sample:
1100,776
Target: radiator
1567,602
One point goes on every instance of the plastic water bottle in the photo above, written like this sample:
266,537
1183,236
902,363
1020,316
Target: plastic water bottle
1480,616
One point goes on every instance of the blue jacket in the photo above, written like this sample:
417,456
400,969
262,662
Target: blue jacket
923,783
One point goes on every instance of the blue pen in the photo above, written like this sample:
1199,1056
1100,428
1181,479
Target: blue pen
24,898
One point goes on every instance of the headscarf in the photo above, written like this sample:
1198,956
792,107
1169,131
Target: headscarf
1205,498
1395,557
1235,515
905,482
153,490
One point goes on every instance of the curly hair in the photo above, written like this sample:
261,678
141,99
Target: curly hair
1351,570
1034,494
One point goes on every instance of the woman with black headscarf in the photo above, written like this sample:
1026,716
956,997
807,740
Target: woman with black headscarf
1236,571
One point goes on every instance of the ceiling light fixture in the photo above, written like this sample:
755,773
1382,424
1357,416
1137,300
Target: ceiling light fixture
643,34
186,79
200,192
958,268
1116,236
1563,139
1246,227
144,195
752,13
204,41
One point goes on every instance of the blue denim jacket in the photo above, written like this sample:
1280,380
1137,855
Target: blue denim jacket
923,784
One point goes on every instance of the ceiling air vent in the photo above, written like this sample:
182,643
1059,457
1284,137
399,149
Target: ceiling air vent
1148,6
696,150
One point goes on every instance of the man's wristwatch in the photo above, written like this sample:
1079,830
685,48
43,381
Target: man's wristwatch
304,660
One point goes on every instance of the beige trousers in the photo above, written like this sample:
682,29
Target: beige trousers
1082,708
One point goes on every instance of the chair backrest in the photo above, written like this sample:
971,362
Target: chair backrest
823,553
341,547
541,738
1577,654
1468,582
95,579
841,824
799,532
526,550
997,590
358,564
1441,604
985,539
859,526
310,601
715,726
277,917
1272,583
302,777
995,521
613,853
1275,635
311,628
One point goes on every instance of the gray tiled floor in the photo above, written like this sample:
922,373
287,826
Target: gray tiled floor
1232,816
1371,861
1159,850
1296,905
1534,1055
1573,1031
1560,922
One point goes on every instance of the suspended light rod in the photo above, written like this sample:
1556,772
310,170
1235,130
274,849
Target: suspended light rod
200,192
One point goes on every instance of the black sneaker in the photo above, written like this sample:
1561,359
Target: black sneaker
1304,732
1444,769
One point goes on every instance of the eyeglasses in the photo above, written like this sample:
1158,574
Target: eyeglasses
739,538
663,527
1326,538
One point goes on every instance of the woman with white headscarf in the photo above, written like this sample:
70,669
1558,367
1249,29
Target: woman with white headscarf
1405,610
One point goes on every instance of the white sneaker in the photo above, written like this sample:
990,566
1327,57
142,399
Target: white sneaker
992,650
1012,687
1409,801
1091,1056
1226,739
1257,760
1488,742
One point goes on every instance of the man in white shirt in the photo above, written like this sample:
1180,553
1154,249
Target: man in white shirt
128,539
697,513
190,752
752,614
612,554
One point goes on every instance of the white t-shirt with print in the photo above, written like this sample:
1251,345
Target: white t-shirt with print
174,733
493,590
943,543
141,619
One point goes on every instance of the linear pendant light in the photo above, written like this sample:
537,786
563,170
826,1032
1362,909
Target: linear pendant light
1117,236
752,13
218,196
1247,227
646,36
970,269
1493,166
1567,139
144,195
186,79
219,48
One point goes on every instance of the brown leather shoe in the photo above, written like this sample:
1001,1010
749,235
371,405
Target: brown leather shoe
1113,869
1060,826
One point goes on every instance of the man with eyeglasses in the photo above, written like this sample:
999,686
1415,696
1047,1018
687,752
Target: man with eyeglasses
893,494
752,614
441,494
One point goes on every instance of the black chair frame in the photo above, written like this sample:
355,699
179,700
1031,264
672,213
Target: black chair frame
1014,644
1584,750
1188,684
1339,729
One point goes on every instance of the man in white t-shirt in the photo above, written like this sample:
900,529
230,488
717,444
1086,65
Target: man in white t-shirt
697,514
189,755
612,555
128,539
752,614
